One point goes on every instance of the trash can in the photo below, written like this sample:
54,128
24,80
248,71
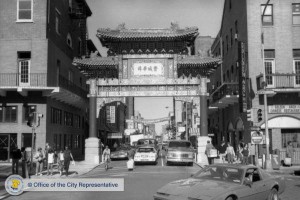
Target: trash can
276,159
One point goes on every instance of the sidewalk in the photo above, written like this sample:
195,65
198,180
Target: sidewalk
80,168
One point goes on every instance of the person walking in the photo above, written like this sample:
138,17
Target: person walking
50,161
208,149
61,161
16,156
27,158
230,153
67,159
106,156
23,162
47,147
39,161
222,151
245,153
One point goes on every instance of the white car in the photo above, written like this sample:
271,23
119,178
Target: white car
146,154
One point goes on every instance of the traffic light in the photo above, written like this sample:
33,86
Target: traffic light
250,115
31,119
259,115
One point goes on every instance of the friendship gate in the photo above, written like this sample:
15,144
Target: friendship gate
145,63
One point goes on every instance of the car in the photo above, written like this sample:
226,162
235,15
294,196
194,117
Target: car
225,182
148,142
180,151
120,153
145,154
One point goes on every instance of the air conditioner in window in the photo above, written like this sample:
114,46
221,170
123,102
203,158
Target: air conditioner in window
236,36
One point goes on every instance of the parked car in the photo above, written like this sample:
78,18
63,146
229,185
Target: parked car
146,154
180,151
225,182
120,153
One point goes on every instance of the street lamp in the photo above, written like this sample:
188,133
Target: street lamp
267,159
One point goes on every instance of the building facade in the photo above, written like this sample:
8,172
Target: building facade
39,39
238,85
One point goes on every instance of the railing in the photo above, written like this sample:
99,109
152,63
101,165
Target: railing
225,89
16,79
279,80
72,87
38,80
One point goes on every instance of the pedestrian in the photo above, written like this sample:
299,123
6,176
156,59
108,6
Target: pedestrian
245,153
61,161
23,159
230,153
27,159
39,159
47,147
208,149
222,151
50,161
290,152
115,145
67,159
16,156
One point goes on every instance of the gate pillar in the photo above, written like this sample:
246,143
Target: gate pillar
92,144
202,140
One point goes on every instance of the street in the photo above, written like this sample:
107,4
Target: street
142,182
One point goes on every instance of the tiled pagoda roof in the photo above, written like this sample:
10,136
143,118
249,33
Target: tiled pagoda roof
196,60
146,34
96,61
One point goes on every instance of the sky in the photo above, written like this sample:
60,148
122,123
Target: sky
204,14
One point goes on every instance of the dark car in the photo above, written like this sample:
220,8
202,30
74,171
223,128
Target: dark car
120,153
225,182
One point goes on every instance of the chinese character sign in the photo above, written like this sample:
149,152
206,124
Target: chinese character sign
148,69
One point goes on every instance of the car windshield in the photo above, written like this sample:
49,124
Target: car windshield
143,150
221,173
144,142
179,144
122,148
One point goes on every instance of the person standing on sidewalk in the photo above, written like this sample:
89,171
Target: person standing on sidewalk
290,151
50,161
222,151
230,153
245,153
16,156
61,161
39,159
208,149
67,159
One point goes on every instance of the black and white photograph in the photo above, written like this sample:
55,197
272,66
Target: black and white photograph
150,99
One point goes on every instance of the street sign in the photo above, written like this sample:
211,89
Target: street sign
266,92
211,134
256,137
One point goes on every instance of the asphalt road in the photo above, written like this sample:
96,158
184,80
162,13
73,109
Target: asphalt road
141,183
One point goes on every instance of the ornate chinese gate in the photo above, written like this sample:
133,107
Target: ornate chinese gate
146,63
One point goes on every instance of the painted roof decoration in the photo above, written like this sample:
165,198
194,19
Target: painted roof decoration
122,33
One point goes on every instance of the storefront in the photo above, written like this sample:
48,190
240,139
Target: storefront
7,142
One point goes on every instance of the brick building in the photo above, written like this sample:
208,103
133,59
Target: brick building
237,85
38,41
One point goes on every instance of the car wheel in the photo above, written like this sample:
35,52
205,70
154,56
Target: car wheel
229,198
273,194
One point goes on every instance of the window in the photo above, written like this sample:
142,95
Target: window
269,66
231,37
58,64
8,114
71,76
79,47
77,142
68,119
56,116
24,13
69,40
267,17
26,111
296,55
77,121
24,68
227,43
292,135
296,13
57,22
230,4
